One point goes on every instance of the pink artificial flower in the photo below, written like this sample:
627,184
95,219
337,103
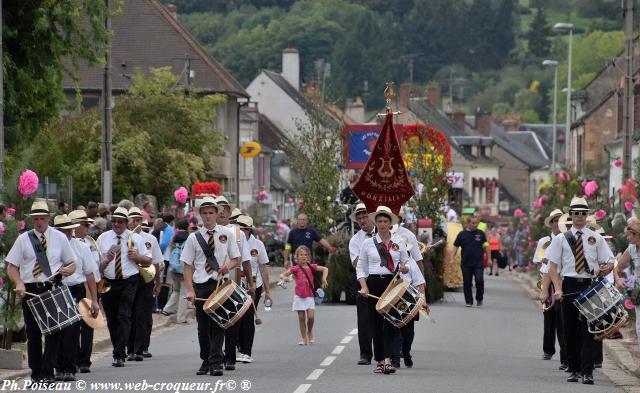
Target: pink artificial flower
262,195
289,200
600,214
11,211
628,205
584,183
562,197
27,183
518,213
590,188
174,206
2,229
631,182
538,217
181,195
1,282
628,304
538,202
21,225
270,234
617,163
563,177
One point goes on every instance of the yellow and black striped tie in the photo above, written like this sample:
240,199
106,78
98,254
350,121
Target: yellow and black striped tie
37,270
212,246
119,260
580,261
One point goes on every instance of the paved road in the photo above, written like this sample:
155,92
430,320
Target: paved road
496,348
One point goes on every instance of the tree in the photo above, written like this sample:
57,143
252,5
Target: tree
161,139
37,36
538,36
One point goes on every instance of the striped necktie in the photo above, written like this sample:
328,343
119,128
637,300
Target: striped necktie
212,246
119,260
580,261
37,270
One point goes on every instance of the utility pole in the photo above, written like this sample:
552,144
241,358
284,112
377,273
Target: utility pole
107,165
1,104
627,108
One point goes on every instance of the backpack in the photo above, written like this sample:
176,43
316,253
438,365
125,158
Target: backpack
175,265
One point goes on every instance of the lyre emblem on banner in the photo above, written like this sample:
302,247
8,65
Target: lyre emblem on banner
386,169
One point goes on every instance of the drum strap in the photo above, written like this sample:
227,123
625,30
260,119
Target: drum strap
304,273
572,243
211,258
41,254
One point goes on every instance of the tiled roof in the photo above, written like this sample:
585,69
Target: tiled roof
517,146
145,35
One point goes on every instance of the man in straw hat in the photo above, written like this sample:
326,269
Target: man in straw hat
121,251
201,275
142,319
552,316
577,258
361,217
81,233
82,278
31,274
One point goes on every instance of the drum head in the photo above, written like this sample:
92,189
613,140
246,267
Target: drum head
220,296
391,295
85,310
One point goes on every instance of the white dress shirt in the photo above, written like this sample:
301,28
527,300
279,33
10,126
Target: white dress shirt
355,244
108,239
369,259
595,249
152,246
414,275
411,239
193,255
59,253
544,268
84,263
95,255
259,256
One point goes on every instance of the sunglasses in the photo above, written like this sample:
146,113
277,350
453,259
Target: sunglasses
579,213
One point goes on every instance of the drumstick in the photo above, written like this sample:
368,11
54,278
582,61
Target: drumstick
27,293
200,299
370,295
425,314
258,320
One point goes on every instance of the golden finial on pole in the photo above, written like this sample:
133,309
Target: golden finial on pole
389,95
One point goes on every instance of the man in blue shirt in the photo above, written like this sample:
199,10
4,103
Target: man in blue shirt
303,235
474,244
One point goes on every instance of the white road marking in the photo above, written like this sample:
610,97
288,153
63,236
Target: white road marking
346,340
302,388
328,360
315,374
338,350
354,331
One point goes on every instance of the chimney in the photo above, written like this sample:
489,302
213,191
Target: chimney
173,10
483,123
291,66
433,96
355,110
404,96
458,118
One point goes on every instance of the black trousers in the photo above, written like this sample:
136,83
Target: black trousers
403,340
41,363
70,341
247,329
552,329
478,274
142,318
581,346
118,307
210,335
382,330
364,327
86,342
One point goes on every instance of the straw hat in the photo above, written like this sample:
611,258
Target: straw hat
39,208
121,212
360,207
135,212
146,226
385,211
80,216
564,221
63,221
245,221
554,214
577,204
207,202
84,307
221,200
235,214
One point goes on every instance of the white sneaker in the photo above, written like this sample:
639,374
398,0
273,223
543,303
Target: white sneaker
240,357
247,359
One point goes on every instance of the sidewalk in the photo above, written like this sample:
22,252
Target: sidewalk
102,341
624,352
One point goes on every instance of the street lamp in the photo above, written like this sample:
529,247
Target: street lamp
554,64
564,28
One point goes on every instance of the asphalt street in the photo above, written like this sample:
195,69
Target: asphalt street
495,348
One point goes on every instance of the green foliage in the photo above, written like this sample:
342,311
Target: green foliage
161,139
538,36
37,35
315,152
341,272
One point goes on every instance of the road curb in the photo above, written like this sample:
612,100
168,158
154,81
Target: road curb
615,349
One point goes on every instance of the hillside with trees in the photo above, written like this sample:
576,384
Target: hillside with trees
486,53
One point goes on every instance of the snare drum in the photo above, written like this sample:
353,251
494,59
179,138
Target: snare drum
400,303
54,310
227,304
601,305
